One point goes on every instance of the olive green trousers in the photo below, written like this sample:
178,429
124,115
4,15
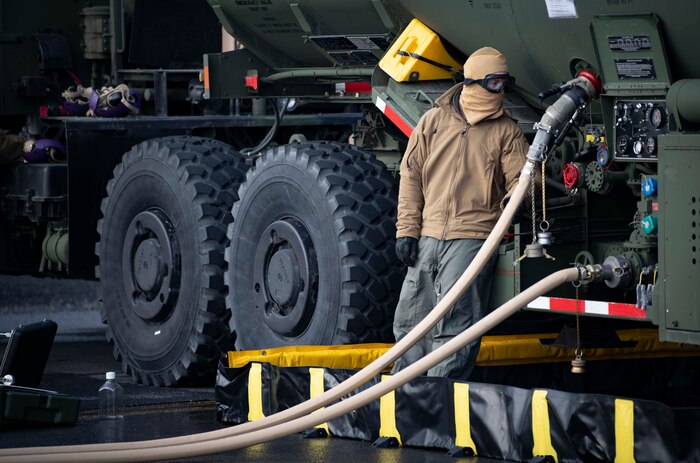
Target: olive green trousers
438,266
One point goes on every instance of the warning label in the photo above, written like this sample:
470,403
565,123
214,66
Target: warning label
639,69
629,42
561,9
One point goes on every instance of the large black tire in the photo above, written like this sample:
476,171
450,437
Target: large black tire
161,258
311,257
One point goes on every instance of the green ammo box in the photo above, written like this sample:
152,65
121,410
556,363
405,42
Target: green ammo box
36,406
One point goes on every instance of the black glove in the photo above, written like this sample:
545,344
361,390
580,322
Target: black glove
407,250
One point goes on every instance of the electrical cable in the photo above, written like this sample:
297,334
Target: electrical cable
354,402
270,135
356,380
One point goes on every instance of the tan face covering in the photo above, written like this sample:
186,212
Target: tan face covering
477,103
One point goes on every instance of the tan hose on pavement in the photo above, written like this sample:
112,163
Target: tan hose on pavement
356,380
352,403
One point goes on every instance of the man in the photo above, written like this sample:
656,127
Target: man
462,161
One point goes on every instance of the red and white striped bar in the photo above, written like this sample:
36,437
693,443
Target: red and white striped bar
353,87
608,309
394,117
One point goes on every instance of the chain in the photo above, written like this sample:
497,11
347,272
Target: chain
532,199
544,196
578,327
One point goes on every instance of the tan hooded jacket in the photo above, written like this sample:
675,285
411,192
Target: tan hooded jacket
454,175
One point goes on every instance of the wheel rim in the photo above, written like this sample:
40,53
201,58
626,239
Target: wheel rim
151,265
285,277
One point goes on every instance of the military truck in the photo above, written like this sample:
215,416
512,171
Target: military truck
251,201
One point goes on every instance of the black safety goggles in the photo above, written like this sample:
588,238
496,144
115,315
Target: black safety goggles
494,83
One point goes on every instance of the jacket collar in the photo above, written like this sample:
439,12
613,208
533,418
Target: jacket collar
449,101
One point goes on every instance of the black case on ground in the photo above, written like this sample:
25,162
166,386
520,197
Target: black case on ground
25,359
27,352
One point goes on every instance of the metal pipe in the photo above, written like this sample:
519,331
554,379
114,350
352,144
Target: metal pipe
160,92
684,101
198,448
320,72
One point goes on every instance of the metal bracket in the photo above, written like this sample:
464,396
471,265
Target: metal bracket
299,15
421,93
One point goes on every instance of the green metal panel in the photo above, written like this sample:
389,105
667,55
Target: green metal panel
633,64
678,288
506,280
300,33
631,55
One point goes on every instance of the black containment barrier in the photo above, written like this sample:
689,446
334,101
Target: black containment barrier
489,420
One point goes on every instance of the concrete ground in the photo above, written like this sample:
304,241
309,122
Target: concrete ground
80,357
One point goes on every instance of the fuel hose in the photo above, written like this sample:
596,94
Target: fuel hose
356,380
224,444
270,427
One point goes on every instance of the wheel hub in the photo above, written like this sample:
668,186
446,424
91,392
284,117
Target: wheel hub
286,277
151,265
283,277
147,268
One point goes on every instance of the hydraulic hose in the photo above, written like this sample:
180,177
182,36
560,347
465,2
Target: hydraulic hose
270,135
198,448
356,380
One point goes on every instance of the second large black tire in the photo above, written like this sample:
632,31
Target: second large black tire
161,258
311,257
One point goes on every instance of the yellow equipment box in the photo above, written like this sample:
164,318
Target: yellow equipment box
418,54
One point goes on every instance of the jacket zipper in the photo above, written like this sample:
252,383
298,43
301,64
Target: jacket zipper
452,182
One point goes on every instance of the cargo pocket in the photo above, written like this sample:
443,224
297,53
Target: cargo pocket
409,155
410,301
412,149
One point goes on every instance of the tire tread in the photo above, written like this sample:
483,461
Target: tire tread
211,171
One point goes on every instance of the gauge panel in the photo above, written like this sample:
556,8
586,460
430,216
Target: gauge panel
638,123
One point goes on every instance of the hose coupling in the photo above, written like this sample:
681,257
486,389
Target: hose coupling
589,273
530,166
561,115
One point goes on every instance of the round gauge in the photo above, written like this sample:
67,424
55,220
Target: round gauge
622,143
637,147
650,145
656,117
602,156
